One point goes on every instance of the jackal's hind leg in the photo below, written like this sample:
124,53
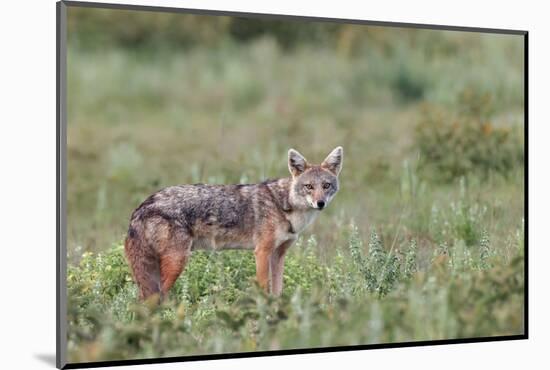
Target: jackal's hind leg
172,263
144,267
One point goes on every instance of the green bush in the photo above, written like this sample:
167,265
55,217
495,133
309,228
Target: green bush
411,84
455,145
380,269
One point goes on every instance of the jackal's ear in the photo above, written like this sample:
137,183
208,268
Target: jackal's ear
333,162
297,163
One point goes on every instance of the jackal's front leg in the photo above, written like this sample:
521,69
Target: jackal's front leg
263,253
277,262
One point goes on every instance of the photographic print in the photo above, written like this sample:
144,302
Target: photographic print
242,184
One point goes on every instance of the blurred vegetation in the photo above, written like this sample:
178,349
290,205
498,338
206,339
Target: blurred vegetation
452,144
423,241
97,28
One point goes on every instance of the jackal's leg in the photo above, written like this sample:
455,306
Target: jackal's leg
144,266
277,262
263,252
172,262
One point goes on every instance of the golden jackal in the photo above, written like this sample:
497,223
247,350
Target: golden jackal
266,217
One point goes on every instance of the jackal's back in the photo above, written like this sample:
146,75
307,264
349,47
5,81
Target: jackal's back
195,206
215,216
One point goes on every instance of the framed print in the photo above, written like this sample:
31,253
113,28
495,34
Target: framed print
236,185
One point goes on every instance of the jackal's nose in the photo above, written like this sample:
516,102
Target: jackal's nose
321,204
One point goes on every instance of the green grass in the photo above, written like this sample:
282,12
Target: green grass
384,294
401,254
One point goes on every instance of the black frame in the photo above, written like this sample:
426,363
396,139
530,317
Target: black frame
61,167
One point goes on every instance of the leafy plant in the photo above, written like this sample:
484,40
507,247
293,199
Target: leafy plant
380,269
454,145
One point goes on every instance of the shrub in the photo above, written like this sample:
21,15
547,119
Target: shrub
454,145
410,84
380,269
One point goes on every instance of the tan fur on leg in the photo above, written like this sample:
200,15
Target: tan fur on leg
277,261
263,252
262,268
171,266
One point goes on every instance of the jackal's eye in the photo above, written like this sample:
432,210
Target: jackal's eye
308,186
326,185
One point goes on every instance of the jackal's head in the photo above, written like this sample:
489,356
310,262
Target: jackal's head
313,186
